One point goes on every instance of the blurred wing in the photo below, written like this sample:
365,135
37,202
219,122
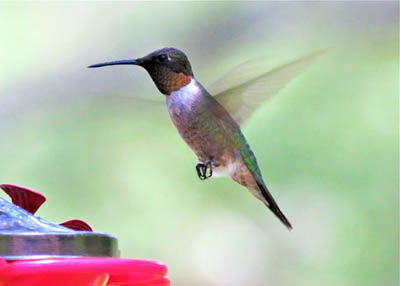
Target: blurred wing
244,98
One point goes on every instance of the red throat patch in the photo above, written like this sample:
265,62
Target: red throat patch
175,81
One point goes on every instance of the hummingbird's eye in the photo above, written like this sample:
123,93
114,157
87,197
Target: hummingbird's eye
162,58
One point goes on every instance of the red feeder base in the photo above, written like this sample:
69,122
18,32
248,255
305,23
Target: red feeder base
82,272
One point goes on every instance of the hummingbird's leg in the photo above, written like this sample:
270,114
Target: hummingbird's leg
202,169
208,166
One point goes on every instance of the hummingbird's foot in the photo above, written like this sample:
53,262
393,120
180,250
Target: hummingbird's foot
202,170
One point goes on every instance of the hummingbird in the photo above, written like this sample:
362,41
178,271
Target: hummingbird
210,125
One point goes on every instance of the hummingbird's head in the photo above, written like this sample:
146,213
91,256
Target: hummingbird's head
168,67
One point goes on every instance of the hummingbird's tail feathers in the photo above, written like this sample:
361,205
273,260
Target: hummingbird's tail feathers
273,206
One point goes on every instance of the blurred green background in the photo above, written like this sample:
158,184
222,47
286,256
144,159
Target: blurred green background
327,144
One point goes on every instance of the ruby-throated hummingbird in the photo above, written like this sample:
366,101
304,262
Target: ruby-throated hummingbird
210,124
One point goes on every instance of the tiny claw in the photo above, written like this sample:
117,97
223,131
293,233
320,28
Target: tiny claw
202,170
208,166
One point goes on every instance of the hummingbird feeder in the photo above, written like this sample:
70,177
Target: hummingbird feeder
35,251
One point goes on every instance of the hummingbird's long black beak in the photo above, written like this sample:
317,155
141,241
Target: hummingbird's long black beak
121,62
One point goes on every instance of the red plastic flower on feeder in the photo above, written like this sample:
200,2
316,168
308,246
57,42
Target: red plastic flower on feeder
37,252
